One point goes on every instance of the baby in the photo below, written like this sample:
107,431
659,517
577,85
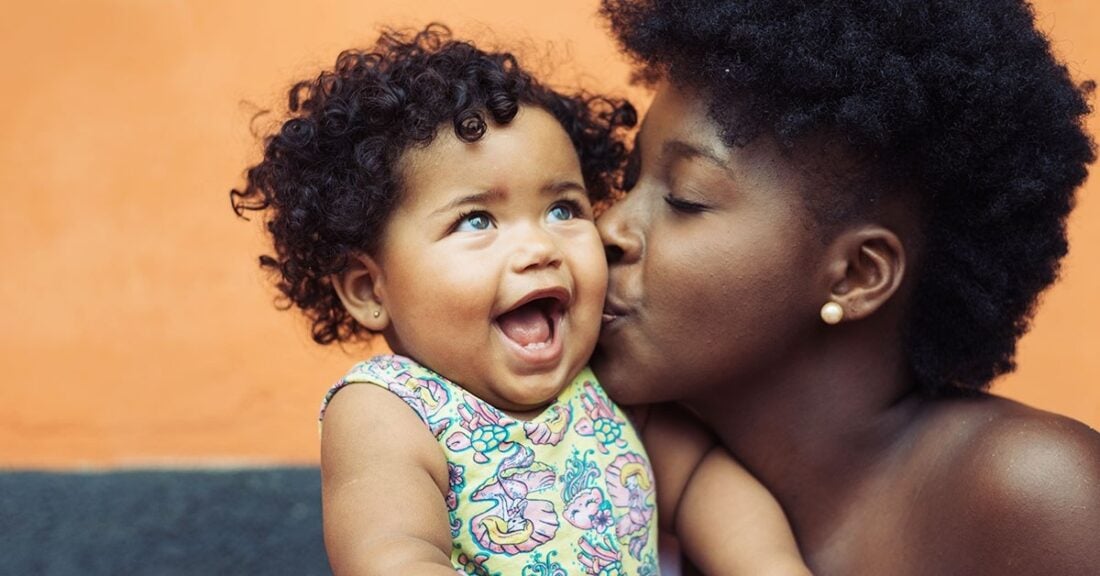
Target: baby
440,196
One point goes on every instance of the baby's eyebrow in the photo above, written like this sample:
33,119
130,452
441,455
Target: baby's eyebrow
479,198
561,186
495,195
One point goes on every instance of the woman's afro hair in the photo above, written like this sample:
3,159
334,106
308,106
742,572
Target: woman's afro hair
328,181
958,101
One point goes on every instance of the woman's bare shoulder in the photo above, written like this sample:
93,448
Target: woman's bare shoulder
1003,444
1016,490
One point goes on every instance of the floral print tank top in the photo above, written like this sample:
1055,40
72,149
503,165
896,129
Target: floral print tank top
568,492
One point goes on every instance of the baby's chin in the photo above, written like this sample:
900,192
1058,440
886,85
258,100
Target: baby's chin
535,393
525,412
527,406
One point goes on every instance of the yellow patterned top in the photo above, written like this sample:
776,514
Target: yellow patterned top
567,492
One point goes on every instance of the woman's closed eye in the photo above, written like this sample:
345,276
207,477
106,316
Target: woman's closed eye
685,206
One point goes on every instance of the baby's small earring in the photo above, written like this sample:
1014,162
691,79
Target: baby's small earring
377,313
832,313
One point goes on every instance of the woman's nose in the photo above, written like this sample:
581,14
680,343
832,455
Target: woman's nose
618,226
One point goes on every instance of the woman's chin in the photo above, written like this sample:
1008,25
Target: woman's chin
613,373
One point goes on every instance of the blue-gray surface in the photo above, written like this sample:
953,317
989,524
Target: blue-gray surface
162,522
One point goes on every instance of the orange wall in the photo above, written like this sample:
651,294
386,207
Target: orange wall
137,328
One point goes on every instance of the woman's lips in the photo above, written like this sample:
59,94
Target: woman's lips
613,311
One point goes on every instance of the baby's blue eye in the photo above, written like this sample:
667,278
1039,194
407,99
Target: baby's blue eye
474,222
561,212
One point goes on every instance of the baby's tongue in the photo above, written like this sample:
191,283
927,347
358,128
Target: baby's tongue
525,325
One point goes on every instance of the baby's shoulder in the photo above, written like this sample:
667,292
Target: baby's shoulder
427,393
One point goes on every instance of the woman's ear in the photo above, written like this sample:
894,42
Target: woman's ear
866,268
361,287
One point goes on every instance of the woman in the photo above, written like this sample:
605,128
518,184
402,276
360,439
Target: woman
841,216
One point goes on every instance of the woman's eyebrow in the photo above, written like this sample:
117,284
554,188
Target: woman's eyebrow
679,149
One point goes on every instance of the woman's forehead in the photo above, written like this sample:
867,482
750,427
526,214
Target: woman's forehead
679,125
681,113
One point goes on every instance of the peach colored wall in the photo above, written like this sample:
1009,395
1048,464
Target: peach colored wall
137,328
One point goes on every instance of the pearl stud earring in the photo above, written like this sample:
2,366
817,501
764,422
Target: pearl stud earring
832,313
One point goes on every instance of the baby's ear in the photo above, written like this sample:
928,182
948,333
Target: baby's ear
867,266
360,288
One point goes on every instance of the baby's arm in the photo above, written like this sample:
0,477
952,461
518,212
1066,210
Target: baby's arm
725,520
384,481
728,523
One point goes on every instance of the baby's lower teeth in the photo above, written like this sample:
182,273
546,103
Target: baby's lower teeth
536,345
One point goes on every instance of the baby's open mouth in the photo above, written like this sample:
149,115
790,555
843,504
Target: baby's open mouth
532,324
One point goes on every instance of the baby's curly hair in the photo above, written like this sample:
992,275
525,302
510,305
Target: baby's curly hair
959,102
329,181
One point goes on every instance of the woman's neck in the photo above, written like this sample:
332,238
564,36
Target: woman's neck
814,430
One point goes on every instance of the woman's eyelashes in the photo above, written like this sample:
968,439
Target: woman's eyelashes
685,206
